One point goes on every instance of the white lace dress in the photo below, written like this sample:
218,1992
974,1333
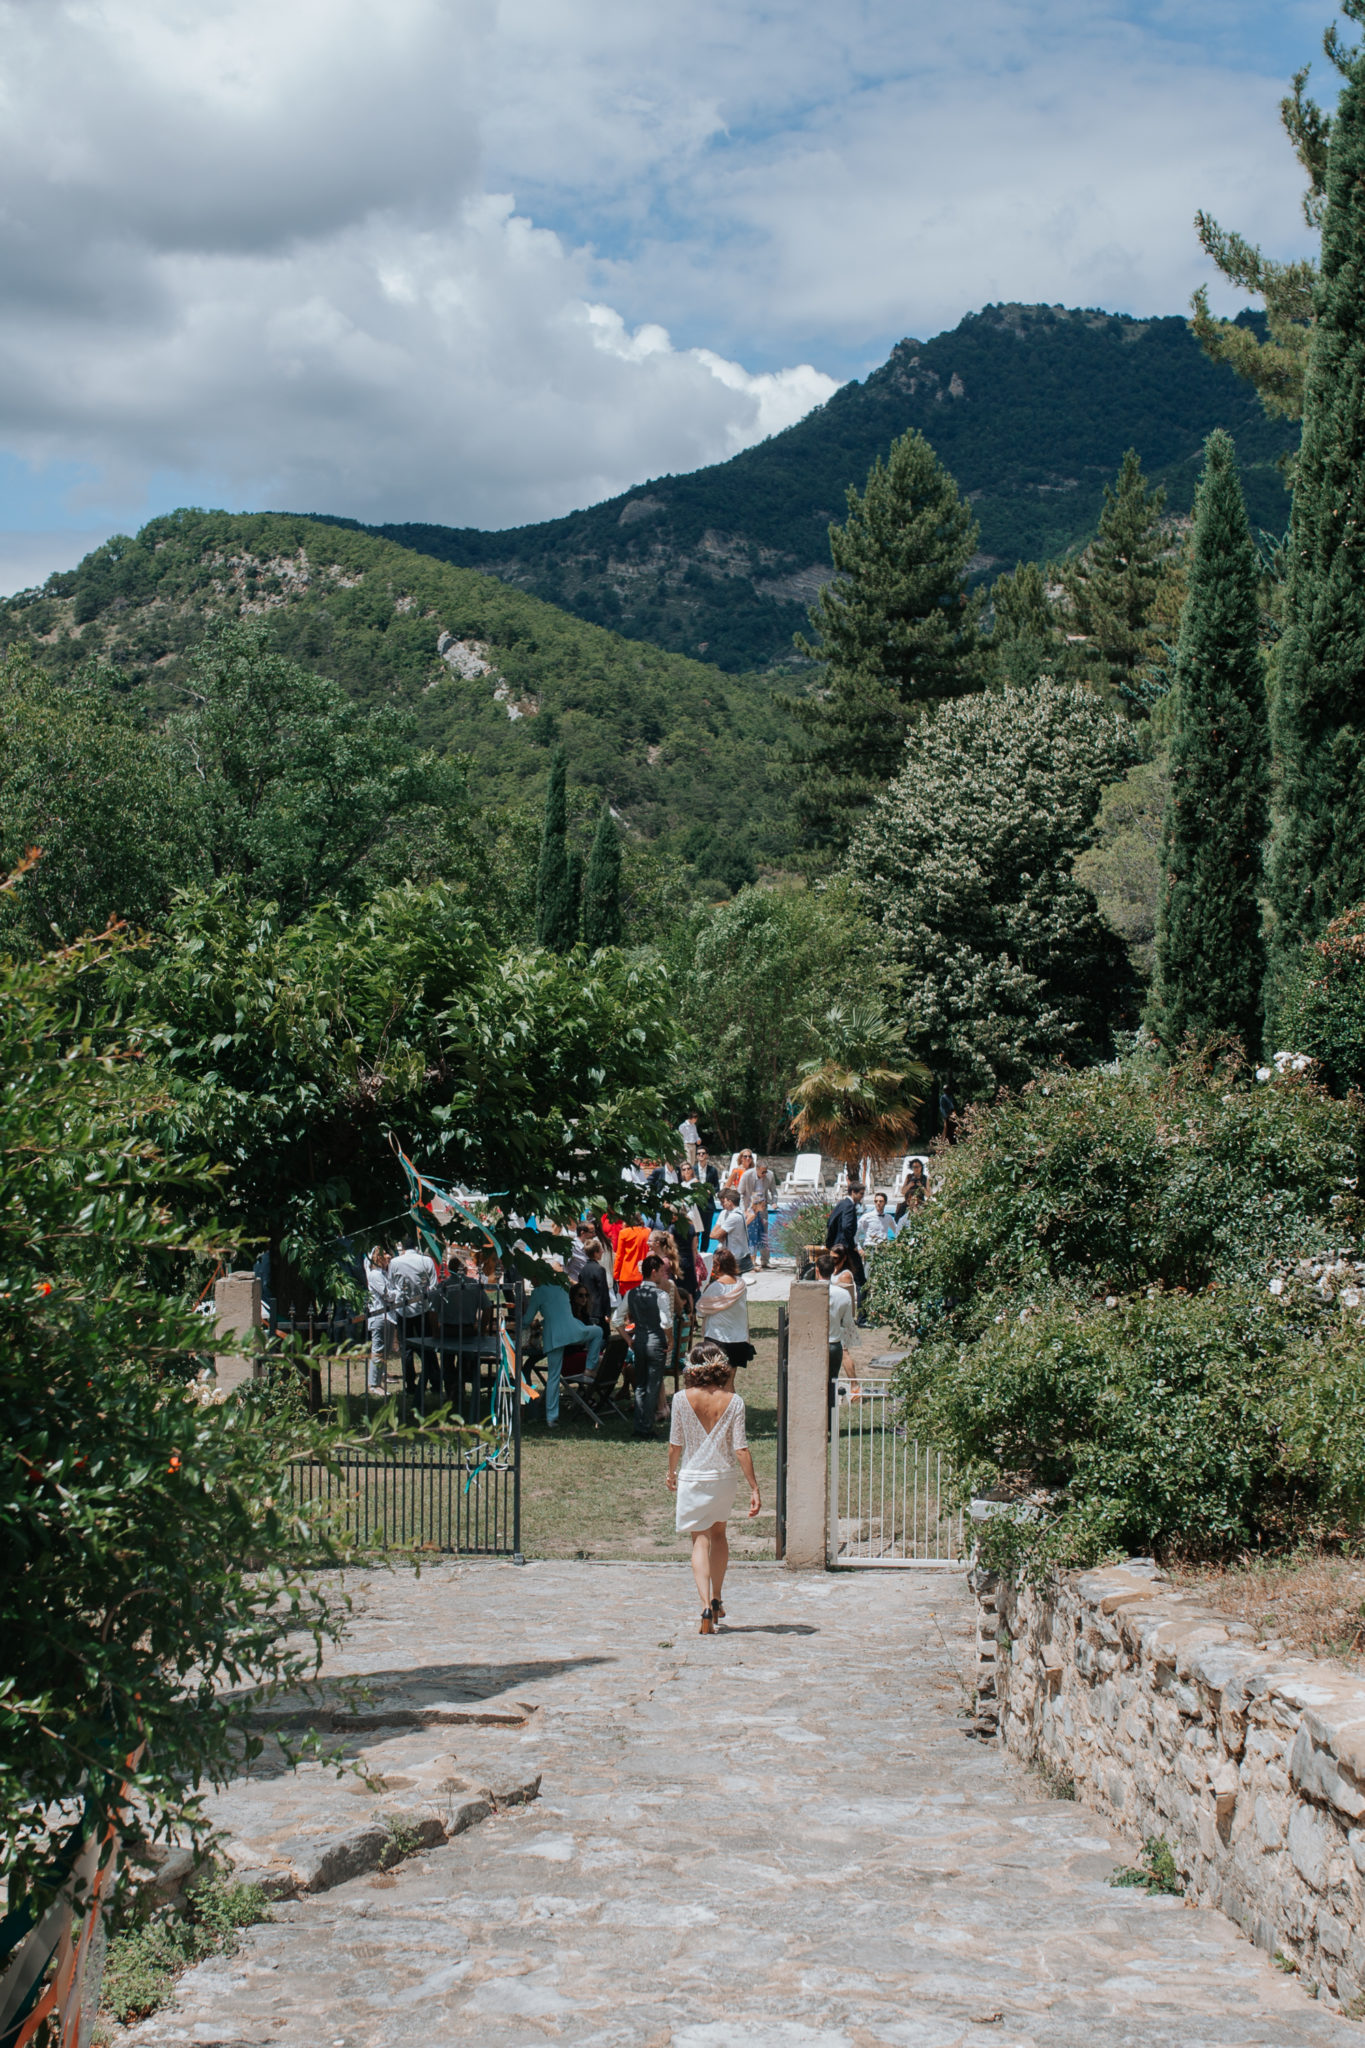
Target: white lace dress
709,1472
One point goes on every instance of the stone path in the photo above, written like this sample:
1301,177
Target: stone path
775,1838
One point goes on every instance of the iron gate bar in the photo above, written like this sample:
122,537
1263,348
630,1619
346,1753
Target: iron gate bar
885,1490
780,1488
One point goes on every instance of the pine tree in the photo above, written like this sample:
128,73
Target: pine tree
556,893
1026,643
1113,587
1318,846
602,893
895,630
1210,957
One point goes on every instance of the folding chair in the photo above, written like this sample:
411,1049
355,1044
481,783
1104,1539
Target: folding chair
594,1393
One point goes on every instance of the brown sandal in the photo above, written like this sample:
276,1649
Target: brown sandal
708,1627
717,1611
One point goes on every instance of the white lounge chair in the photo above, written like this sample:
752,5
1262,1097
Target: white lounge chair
805,1178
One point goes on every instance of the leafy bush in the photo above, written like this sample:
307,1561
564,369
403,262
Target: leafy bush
144,1961
1094,1332
1323,1012
151,1567
1120,1178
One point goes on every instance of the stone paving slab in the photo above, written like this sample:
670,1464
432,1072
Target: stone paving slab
780,1837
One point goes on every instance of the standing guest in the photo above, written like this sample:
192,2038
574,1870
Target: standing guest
841,1233
913,1190
413,1279
560,1331
649,1306
686,1226
757,1194
723,1306
708,1191
631,1247
743,1161
707,1448
843,1332
609,1231
691,1137
380,1318
593,1279
876,1227
731,1231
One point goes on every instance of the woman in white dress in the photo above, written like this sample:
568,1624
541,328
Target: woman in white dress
707,1451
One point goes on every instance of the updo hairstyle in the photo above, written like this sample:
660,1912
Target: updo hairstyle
707,1366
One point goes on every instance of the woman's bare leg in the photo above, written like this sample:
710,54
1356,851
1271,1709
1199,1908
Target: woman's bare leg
701,1564
720,1556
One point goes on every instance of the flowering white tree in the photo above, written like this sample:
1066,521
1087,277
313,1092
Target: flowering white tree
966,864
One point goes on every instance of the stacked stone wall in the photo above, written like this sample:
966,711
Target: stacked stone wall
1171,1721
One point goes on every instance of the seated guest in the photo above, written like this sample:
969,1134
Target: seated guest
560,1330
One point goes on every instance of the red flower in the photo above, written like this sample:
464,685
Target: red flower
43,1287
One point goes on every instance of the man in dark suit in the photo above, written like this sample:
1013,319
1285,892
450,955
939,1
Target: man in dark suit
841,1234
706,1193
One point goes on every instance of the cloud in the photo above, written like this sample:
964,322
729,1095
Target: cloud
481,261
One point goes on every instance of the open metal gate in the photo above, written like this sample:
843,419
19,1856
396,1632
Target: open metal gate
886,1492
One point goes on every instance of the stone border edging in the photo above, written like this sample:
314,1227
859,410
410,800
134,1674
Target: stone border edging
1171,1722
322,1863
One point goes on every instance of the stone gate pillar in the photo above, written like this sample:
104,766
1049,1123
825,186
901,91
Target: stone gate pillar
807,1425
237,1312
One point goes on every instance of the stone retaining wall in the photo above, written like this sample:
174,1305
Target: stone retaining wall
1171,1722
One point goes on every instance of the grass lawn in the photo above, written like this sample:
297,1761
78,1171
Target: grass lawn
599,1493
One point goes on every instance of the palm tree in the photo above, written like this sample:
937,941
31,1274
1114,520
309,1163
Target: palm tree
862,1092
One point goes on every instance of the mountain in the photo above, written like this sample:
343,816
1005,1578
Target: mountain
488,670
1030,407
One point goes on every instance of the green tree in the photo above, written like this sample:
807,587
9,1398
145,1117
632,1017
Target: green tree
1122,866
602,892
301,791
1115,585
86,781
753,976
966,866
152,1571
1026,642
895,630
556,890
1210,955
291,1051
1276,365
1317,862
1323,1009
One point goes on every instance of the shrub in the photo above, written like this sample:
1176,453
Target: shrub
1092,1320
1121,1178
1323,1012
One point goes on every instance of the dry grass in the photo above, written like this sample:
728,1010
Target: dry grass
1311,1603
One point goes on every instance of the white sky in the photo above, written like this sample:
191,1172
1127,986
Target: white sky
482,261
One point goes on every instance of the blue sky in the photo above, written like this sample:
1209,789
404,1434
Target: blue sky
481,261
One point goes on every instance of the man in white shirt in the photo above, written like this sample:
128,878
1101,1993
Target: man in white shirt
413,1280
729,1230
757,1192
876,1227
690,1135
380,1318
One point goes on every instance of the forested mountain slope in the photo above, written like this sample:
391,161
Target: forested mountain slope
1030,407
488,670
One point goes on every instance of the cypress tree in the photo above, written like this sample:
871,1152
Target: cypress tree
896,629
556,893
1317,865
602,894
1210,956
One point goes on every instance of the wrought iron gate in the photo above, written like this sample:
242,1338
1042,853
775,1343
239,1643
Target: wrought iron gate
886,1492
405,1490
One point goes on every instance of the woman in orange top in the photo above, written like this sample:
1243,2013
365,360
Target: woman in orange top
632,1246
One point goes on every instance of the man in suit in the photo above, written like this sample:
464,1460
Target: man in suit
841,1234
705,1192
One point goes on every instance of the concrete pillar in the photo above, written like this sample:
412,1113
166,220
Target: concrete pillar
237,1312
807,1425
